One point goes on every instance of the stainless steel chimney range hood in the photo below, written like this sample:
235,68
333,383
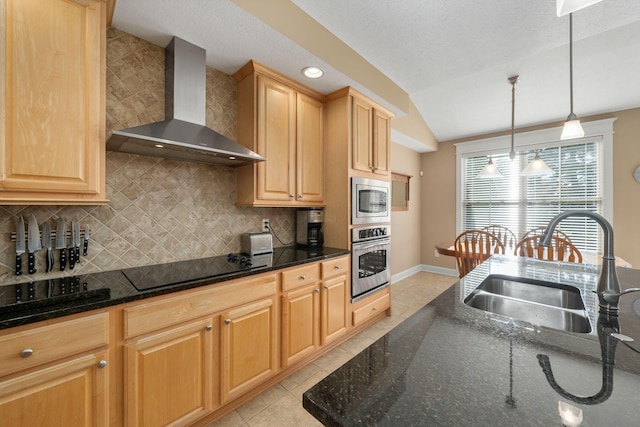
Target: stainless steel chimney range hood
183,134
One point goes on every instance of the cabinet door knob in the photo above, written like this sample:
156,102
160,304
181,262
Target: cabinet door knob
208,327
337,267
102,364
299,196
317,291
303,277
227,321
291,196
374,309
26,353
326,287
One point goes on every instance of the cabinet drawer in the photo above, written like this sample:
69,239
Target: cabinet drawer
335,267
152,316
44,344
299,276
371,309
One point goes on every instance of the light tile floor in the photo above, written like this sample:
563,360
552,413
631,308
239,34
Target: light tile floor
281,405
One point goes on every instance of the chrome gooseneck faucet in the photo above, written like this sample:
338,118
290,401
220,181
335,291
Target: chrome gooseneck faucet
608,285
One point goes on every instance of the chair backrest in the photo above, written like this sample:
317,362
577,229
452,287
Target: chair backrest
473,247
559,250
540,230
506,236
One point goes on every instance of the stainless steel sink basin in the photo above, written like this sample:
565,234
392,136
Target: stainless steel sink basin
541,303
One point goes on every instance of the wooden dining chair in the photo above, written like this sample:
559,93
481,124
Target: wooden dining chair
559,250
506,236
540,230
473,247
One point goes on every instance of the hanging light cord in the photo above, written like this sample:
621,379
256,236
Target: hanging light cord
571,64
513,80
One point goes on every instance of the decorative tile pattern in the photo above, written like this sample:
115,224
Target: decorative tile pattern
161,210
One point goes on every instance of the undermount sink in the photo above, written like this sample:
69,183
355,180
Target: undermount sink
548,304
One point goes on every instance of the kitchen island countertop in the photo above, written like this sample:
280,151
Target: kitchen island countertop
450,364
28,302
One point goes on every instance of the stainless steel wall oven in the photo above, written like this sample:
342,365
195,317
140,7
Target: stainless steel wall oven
370,260
370,201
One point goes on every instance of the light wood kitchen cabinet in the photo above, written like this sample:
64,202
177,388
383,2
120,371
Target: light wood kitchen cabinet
335,299
371,137
52,102
314,311
371,306
249,347
171,375
282,121
56,374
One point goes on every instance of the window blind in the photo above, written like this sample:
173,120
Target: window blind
522,203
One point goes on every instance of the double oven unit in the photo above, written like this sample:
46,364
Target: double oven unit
370,236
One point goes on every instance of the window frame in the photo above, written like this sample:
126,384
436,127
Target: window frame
538,139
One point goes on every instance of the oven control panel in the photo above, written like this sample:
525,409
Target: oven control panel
361,234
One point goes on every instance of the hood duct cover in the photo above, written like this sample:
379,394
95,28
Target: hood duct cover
183,134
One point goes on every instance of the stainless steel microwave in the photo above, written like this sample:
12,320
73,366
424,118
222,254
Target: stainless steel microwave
370,201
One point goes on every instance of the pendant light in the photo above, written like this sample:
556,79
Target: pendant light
572,128
537,167
489,171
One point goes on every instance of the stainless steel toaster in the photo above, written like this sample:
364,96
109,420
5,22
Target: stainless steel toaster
256,243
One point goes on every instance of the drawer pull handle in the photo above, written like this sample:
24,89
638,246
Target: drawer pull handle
317,291
102,364
303,277
26,353
374,309
337,267
208,327
227,321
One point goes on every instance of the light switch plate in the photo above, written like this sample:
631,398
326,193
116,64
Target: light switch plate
636,174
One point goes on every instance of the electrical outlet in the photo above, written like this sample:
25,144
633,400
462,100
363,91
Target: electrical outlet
265,225
437,254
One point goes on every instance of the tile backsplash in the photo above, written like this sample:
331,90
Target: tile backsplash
160,210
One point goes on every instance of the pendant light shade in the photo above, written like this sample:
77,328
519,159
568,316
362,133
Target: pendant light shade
569,6
572,127
537,168
489,171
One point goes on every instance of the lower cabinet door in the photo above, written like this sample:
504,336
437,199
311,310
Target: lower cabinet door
248,347
72,393
300,323
169,376
335,319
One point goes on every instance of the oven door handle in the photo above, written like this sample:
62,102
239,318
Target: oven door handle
371,245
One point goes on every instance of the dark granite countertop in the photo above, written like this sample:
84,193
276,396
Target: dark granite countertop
29,302
450,364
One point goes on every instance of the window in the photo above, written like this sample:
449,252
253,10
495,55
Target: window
582,181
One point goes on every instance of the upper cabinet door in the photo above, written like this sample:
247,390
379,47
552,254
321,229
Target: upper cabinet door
310,149
362,158
381,142
276,140
52,102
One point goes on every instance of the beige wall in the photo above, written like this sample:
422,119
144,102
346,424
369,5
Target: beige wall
405,239
439,185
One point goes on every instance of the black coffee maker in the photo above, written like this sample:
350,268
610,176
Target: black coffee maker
309,227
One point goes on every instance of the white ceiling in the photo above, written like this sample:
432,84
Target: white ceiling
451,57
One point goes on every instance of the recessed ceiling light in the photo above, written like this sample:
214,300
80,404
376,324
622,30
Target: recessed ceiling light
312,72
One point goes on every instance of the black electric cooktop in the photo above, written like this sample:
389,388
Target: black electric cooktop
157,276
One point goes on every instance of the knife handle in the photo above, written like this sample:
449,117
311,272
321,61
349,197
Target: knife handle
63,259
72,258
77,254
32,262
85,248
18,265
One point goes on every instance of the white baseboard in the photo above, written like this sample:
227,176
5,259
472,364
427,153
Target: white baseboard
422,267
